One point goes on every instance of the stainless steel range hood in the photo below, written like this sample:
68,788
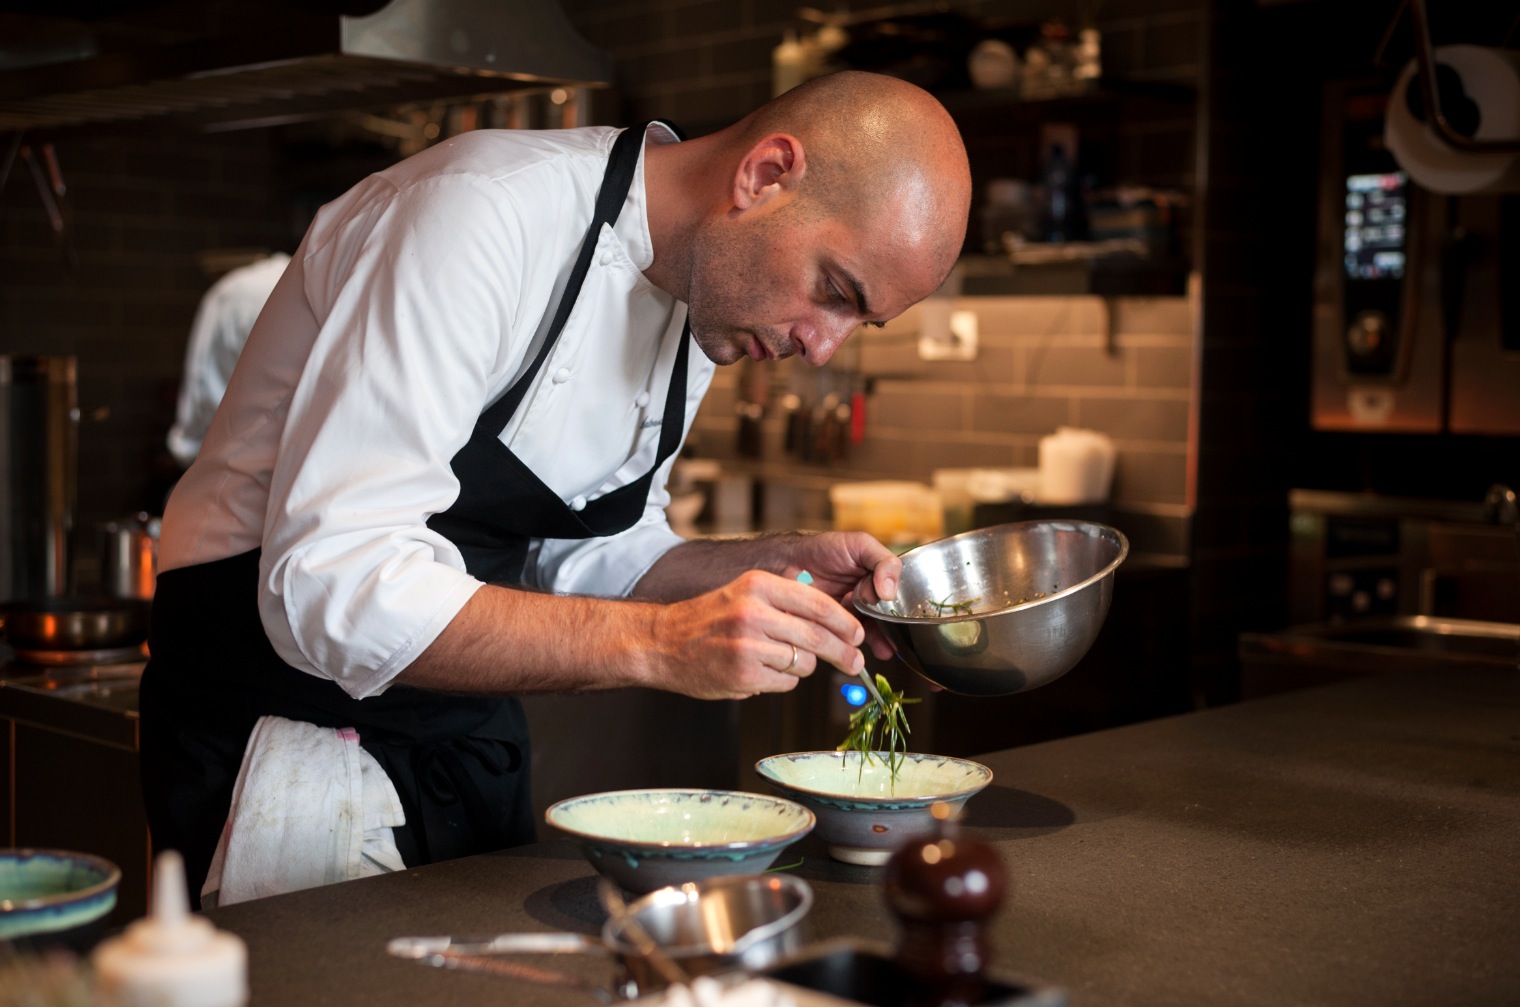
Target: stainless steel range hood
297,65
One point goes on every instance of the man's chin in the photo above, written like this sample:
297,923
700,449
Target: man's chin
722,352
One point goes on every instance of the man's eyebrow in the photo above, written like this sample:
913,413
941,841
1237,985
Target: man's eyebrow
857,290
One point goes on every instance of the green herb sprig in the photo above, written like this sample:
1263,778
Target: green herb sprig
956,607
880,727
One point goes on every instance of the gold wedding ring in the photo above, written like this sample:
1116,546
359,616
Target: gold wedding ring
793,662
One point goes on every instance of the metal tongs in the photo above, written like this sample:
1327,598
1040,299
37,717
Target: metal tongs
478,954
868,680
865,676
648,947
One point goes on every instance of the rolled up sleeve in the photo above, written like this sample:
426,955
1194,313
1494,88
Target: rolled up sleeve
415,323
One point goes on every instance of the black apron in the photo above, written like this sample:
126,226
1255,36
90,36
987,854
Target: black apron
460,763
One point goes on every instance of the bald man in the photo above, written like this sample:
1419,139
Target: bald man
437,479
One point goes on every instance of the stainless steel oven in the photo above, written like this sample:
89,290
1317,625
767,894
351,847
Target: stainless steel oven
1415,330
1379,584
1355,557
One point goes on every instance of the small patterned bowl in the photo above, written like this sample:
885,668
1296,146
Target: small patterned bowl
862,813
649,839
54,895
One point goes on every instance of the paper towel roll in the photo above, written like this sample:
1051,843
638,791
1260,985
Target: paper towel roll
1076,466
1491,79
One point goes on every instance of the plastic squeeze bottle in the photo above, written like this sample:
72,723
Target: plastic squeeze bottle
172,958
788,64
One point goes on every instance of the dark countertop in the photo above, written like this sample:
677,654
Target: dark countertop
1356,843
95,702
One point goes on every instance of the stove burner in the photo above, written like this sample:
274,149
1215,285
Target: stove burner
69,658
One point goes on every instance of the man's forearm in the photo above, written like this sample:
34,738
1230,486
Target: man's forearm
696,566
712,620
512,641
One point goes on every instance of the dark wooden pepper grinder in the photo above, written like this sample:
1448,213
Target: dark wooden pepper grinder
943,888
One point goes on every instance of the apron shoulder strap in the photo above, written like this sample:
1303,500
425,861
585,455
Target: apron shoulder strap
616,181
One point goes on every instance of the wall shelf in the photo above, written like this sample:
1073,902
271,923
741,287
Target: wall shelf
1122,132
1098,98
1115,276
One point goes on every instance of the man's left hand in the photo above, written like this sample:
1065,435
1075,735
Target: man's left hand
843,563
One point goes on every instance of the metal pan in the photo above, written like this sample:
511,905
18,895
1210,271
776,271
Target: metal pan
739,923
75,623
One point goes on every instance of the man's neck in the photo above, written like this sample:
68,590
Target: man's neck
681,182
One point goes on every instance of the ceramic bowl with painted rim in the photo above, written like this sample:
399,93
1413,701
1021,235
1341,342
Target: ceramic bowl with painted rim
864,814
54,895
649,839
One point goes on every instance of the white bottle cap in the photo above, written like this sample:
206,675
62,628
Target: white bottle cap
172,958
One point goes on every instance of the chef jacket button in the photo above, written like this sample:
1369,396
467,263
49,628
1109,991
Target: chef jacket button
607,258
562,375
641,400
578,503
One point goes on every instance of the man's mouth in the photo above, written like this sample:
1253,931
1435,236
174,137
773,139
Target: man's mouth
757,349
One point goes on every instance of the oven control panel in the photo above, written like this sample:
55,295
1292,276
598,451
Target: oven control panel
1374,245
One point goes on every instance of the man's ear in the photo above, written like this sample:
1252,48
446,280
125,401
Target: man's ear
769,171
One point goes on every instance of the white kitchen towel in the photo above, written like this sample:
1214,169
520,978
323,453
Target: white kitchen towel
310,807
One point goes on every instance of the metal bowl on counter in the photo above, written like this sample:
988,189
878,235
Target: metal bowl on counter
733,923
736,922
1004,609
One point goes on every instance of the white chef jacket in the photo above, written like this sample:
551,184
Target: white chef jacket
413,302
222,322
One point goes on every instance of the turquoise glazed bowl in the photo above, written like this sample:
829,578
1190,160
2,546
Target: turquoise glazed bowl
649,839
863,814
49,896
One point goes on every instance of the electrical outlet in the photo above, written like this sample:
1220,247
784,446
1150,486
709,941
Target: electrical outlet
958,343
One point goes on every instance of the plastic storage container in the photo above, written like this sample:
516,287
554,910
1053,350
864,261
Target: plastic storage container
960,490
900,514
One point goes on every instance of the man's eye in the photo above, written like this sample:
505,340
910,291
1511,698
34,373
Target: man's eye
835,294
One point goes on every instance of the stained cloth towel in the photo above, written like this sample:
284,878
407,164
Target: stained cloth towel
310,807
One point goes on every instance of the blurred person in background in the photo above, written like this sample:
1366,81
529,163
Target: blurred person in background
222,322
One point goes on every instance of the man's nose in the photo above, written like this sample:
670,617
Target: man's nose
827,337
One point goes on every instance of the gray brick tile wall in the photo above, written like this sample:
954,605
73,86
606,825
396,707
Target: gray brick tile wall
1083,366
1151,476
139,209
1163,366
1031,413
910,406
1044,362
1134,419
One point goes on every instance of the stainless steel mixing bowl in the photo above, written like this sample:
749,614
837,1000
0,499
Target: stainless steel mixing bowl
1004,609
739,922
716,925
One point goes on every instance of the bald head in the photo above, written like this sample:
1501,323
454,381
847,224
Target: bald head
874,144
837,204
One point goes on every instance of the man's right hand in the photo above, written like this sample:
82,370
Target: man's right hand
728,643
